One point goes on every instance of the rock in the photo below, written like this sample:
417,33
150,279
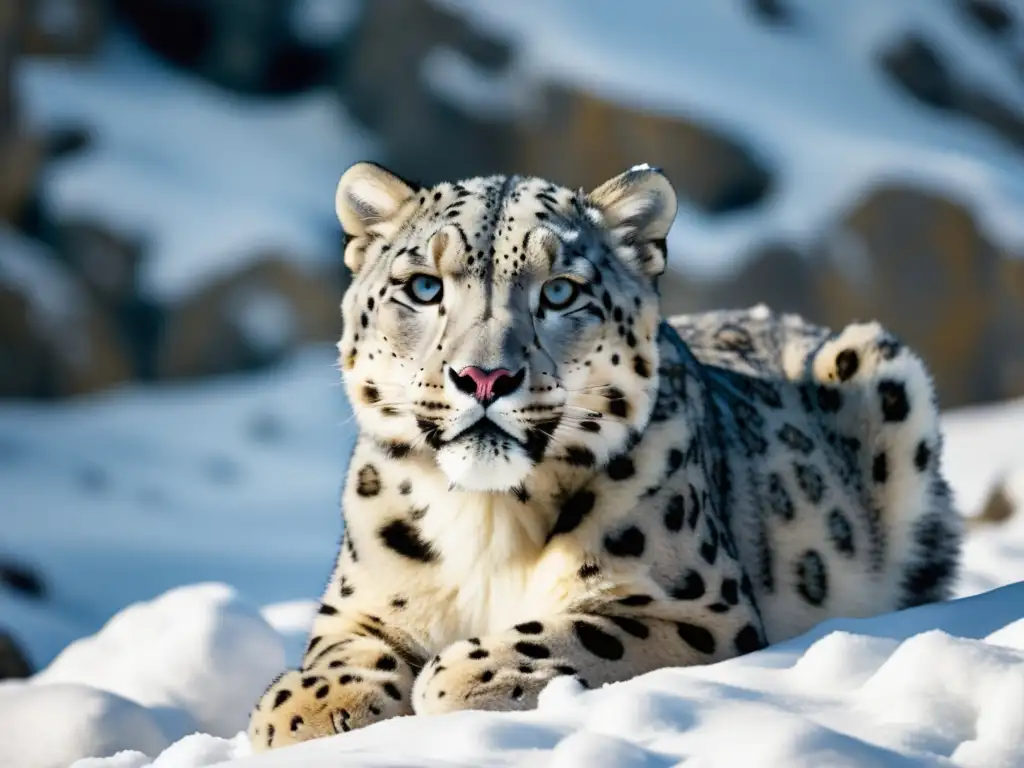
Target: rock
919,264
11,21
991,15
581,140
775,275
920,69
1006,351
21,157
106,261
997,509
428,135
771,11
64,28
248,319
914,261
13,662
22,579
252,47
55,341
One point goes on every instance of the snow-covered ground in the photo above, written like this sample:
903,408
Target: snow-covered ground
225,494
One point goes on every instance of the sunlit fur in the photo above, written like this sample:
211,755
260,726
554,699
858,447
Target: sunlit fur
494,242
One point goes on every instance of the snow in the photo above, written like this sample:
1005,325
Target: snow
146,490
459,81
56,304
185,531
810,102
322,23
210,179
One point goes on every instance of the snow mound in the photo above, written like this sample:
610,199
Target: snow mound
51,726
198,650
937,685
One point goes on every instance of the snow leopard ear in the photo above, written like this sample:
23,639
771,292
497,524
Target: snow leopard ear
639,207
369,194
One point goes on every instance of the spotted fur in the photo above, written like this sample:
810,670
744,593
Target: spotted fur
631,493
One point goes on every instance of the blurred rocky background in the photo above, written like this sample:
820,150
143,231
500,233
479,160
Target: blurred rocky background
167,166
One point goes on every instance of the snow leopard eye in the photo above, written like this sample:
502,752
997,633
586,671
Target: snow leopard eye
424,289
559,293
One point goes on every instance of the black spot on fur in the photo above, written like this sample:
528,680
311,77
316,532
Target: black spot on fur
695,508
387,663
689,586
895,405
322,691
698,638
880,467
479,653
730,591
709,547
532,650
530,628
829,399
795,439
926,580
748,640
922,455
281,697
522,495
588,570
811,481
572,512
579,456
392,690
635,600
597,641
675,513
621,468
590,426
889,348
345,588
327,610
537,439
642,368
404,539
812,579
840,532
631,626
395,450
627,543
405,487
779,502
617,403
371,394
486,676
847,363
368,481
675,461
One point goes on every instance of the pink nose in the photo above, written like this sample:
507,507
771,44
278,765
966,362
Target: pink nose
486,386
